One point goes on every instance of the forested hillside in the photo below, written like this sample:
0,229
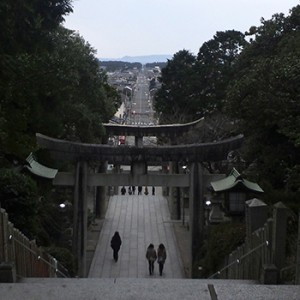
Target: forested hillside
244,83
50,79
50,82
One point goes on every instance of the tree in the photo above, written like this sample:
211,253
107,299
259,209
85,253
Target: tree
18,194
25,24
264,98
50,82
174,100
55,87
75,89
25,28
192,88
214,68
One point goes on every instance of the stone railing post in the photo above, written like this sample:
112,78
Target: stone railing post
279,235
297,279
256,216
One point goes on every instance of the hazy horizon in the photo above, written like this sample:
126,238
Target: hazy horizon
140,28
140,58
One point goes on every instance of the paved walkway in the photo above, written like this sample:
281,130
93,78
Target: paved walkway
140,220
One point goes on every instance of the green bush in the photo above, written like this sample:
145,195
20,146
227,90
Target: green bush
65,258
18,196
222,240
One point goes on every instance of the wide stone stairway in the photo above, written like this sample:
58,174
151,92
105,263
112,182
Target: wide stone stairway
140,220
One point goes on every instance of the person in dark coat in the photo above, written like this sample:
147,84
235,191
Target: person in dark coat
151,257
115,243
133,189
146,191
129,190
140,188
153,190
161,257
123,190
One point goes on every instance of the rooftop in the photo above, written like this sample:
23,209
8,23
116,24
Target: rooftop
235,181
38,169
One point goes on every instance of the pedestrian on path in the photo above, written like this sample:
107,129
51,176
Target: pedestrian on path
161,257
151,257
129,190
153,190
115,243
140,188
133,189
146,191
123,190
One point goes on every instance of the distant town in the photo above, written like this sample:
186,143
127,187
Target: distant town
141,59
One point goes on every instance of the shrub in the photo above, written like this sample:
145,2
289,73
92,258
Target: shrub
18,196
222,240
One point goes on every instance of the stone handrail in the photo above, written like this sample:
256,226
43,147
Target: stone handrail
20,257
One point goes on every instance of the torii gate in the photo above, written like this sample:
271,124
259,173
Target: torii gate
138,157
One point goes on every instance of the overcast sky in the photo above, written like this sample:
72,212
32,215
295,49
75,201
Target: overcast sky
116,28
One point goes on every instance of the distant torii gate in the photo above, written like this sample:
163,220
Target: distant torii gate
138,157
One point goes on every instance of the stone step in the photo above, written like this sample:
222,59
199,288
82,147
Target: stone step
143,288
57,280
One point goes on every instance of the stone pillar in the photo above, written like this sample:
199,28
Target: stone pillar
80,217
101,200
178,197
7,272
297,281
167,169
256,215
196,212
279,234
215,214
174,199
75,210
117,169
138,141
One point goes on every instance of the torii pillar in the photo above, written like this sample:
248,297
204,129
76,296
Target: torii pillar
196,211
80,216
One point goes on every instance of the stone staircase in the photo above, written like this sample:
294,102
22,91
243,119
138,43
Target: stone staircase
143,288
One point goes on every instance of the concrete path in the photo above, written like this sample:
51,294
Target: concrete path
140,220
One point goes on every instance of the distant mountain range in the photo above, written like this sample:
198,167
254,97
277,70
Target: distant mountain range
141,59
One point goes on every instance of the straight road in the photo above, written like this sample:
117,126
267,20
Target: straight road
140,220
141,106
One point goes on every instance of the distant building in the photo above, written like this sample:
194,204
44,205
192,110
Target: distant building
156,69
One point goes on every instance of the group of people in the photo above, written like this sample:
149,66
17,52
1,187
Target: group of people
151,254
131,190
160,256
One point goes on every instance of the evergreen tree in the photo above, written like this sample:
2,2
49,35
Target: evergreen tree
264,99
